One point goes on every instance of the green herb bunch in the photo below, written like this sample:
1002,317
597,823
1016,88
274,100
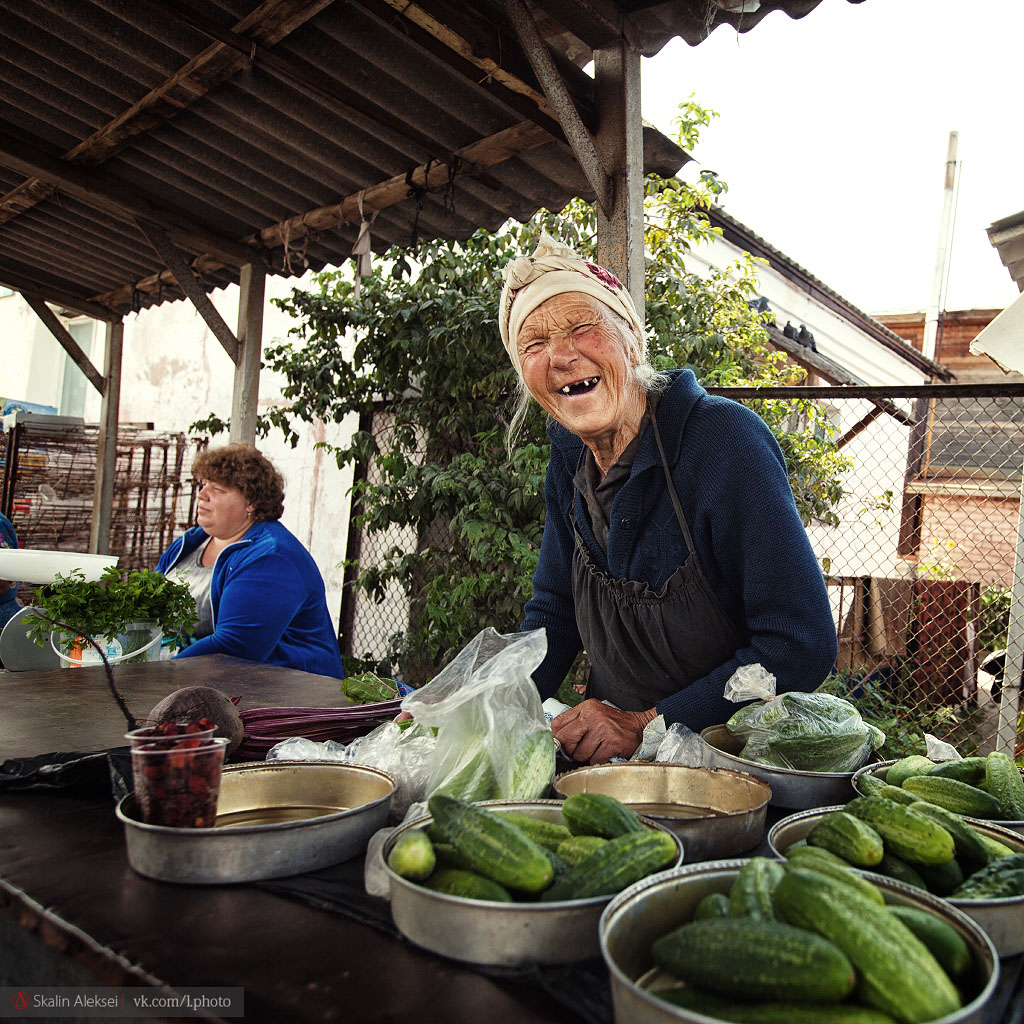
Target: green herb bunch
101,608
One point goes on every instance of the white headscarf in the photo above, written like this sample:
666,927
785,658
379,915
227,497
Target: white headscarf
552,269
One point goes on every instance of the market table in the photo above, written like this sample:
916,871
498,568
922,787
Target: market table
74,912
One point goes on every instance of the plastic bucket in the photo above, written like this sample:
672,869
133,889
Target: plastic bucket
138,641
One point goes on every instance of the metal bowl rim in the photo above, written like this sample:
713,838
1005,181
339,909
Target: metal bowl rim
530,907
758,784
864,769
785,771
734,864
275,827
1007,901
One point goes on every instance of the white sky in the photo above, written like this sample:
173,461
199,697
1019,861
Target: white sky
833,134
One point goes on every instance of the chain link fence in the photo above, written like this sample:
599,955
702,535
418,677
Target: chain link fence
919,567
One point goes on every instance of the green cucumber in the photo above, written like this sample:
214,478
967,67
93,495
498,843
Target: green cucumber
619,863
814,859
448,857
942,879
755,959
898,973
967,769
955,796
594,814
848,837
970,850
770,1012
897,793
577,848
750,895
1003,781
545,833
999,879
496,849
869,784
467,884
715,904
913,837
995,848
892,867
915,764
945,942
413,855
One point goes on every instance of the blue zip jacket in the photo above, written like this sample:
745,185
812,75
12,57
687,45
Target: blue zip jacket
730,475
268,601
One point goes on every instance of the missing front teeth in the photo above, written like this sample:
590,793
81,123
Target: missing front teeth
581,387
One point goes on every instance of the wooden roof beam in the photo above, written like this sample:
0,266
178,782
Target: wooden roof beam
475,50
68,343
268,24
581,141
598,23
191,287
107,193
56,294
488,152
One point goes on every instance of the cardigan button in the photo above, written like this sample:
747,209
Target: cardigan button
625,522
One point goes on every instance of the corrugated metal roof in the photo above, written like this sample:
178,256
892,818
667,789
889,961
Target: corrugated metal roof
1007,236
224,119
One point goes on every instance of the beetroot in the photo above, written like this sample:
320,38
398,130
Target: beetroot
195,702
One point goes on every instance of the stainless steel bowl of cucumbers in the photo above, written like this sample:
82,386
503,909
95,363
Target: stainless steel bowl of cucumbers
520,881
708,941
977,866
991,788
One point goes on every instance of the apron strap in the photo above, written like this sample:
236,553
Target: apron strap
672,489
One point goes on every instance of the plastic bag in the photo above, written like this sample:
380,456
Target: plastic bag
815,732
939,750
492,738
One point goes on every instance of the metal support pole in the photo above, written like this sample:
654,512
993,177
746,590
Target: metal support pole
245,399
1013,663
620,145
106,443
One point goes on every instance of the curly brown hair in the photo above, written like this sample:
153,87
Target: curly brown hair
242,466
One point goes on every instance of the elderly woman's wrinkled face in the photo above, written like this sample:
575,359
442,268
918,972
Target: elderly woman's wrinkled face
221,510
577,363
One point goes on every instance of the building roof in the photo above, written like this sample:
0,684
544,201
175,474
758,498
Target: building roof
1007,236
240,130
748,240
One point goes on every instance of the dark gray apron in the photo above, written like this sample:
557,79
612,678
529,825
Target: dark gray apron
645,645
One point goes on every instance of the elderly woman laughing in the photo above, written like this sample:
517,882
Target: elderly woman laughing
672,551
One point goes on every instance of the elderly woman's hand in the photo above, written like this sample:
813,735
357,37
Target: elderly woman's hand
593,732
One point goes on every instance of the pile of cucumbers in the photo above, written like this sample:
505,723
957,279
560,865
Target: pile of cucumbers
808,941
506,856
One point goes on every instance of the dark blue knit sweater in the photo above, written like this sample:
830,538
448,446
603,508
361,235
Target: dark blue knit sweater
731,479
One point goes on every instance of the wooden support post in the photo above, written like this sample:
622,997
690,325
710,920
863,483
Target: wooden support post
620,146
106,443
245,399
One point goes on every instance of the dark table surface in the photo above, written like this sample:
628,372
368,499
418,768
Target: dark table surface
65,880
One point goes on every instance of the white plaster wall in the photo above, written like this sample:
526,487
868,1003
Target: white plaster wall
174,373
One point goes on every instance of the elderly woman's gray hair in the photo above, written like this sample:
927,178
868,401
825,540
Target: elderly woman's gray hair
553,269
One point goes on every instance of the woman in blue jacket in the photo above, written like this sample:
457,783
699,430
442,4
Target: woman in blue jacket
259,595
672,550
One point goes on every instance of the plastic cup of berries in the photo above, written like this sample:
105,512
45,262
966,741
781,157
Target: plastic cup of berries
166,734
177,778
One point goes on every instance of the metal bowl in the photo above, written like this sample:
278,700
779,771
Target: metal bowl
999,919
635,918
790,788
881,770
507,934
274,819
716,812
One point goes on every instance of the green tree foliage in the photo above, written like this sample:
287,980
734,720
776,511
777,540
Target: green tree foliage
427,349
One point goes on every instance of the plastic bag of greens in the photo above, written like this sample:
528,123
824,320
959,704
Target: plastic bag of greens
492,738
812,732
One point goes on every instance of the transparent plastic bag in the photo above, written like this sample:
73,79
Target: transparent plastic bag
940,750
815,732
493,741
